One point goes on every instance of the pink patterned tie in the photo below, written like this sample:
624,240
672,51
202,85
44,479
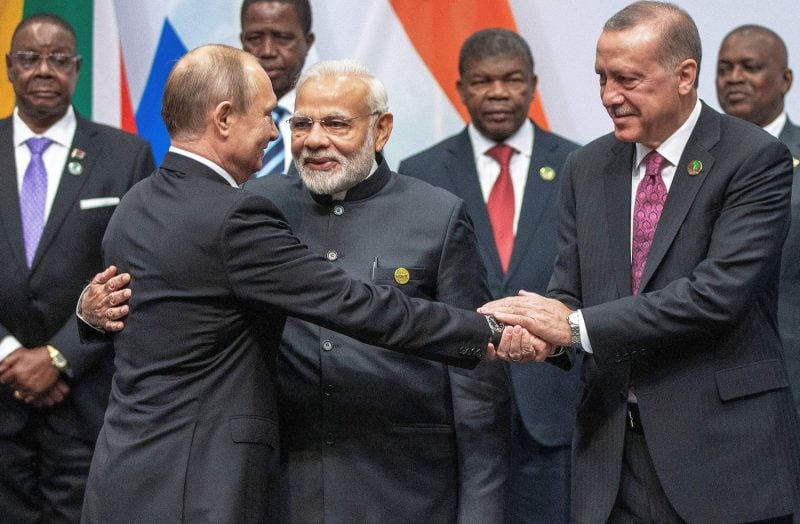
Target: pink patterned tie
32,196
501,204
650,197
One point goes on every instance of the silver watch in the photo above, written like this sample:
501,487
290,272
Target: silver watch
574,331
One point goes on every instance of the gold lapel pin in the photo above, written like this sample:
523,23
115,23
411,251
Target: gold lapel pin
694,167
547,173
401,276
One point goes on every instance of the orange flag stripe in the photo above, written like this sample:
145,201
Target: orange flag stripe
437,28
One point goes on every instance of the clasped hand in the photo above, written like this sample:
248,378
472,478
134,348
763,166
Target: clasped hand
536,323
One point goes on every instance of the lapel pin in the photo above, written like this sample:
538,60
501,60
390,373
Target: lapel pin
795,162
547,173
75,168
401,276
79,154
694,167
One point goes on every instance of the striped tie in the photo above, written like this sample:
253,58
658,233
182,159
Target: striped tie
274,155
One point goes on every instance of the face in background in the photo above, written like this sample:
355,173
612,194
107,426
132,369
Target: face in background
250,130
752,77
43,93
646,101
497,92
271,31
332,162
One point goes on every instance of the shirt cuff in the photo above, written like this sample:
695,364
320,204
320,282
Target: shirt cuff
585,343
8,345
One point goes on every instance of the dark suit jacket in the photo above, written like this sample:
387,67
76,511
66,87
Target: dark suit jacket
360,426
545,396
699,342
789,295
37,305
191,430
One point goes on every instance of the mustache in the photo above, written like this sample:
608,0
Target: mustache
622,111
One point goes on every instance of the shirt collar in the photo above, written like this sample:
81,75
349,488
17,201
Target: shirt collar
60,133
206,162
775,127
522,140
672,148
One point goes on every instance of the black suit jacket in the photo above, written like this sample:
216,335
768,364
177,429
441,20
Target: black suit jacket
700,341
191,430
789,294
353,456
545,396
37,304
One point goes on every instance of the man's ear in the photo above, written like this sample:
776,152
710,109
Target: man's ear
223,117
383,130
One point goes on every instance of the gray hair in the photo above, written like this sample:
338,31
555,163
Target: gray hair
377,98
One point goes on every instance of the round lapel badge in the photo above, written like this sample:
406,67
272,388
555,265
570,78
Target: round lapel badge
547,173
75,168
401,276
694,167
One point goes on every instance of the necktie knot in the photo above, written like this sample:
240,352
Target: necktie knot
501,153
653,163
38,145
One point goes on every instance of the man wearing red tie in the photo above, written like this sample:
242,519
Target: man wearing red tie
507,170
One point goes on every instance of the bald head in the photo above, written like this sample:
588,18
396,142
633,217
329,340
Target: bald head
753,74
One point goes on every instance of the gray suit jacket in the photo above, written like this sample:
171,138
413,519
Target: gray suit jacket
191,431
789,295
37,304
700,341
545,396
360,426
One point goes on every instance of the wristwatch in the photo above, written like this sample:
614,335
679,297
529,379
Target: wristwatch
58,360
497,330
574,331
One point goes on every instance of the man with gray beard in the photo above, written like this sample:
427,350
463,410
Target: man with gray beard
365,433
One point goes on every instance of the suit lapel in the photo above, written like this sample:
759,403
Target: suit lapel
537,199
683,190
9,194
617,198
70,185
464,176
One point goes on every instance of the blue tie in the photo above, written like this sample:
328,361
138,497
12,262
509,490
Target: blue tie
32,196
274,156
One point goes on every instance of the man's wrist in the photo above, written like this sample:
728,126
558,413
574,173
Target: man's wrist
573,320
58,360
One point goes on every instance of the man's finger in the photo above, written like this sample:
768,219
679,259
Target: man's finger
105,275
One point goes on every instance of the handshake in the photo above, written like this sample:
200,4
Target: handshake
536,327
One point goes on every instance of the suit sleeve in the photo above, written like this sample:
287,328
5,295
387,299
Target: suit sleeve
739,263
481,403
268,267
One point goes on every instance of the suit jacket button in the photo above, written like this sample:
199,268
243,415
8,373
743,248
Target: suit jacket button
332,255
328,390
327,345
338,210
329,440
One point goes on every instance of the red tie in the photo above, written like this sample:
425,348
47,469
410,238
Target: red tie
501,204
650,197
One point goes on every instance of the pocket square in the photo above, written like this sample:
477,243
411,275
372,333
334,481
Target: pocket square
92,203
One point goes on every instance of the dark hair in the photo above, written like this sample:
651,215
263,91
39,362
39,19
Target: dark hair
765,32
301,7
680,38
493,42
45,17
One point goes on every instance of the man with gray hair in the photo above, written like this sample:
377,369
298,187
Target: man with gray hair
367,435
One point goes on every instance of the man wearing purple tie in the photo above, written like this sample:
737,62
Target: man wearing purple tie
60,179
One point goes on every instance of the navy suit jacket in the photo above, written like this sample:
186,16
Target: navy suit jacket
37,304
700,341
544,395
191,431
789,295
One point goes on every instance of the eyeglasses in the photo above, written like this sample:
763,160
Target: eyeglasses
61,62
333,125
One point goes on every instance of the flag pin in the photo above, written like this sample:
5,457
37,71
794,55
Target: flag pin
694,167
80,154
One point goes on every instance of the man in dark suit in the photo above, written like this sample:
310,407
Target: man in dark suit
215,270
60,178
666,277
497,85
355,457
753,77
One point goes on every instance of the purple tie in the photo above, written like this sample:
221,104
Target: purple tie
32,196
650,197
